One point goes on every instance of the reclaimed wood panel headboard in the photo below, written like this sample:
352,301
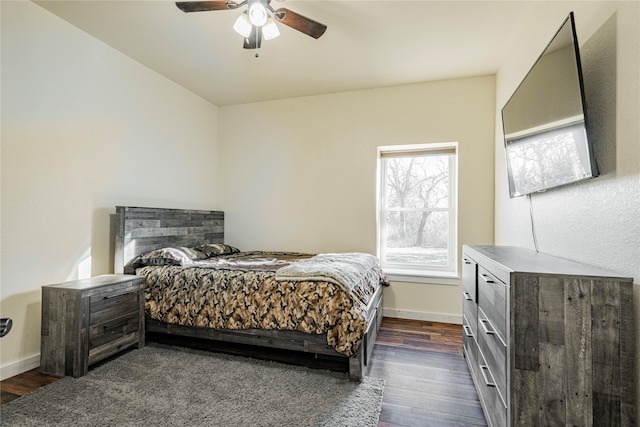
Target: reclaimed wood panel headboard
139,230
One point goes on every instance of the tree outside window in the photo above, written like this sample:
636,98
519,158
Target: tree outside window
416,202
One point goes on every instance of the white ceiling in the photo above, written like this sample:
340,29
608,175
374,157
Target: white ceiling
367,44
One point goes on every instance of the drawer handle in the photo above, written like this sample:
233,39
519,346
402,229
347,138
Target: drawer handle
466,261
484,323
486,278
484,368
116,295
467,331
467,296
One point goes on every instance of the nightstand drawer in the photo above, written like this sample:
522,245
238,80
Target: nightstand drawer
107,307
98,353
113,330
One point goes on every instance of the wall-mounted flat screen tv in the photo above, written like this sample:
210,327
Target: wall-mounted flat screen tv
545,121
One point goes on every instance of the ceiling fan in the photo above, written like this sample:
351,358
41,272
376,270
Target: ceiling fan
258,20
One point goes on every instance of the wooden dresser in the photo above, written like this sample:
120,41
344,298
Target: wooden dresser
548,341
85,321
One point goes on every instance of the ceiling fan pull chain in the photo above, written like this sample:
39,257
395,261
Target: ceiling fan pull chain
258,45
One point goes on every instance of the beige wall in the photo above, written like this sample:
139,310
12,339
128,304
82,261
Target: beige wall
84,128
300,174
596,222
78,116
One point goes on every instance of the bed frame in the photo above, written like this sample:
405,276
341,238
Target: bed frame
139,230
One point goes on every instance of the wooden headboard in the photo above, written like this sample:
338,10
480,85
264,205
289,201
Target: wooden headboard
139,230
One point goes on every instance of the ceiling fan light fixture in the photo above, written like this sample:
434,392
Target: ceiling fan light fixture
258,21
242,25
270,29
258,14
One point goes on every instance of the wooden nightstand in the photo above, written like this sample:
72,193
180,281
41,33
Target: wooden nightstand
87,320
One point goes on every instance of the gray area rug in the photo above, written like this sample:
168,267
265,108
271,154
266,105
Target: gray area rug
178,387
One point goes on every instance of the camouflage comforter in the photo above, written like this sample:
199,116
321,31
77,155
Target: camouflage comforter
240,291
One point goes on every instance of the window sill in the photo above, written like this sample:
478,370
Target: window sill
431,277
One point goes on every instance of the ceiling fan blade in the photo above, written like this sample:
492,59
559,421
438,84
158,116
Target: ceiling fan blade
301,23
254,40
205,6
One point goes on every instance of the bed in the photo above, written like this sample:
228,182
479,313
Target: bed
268,299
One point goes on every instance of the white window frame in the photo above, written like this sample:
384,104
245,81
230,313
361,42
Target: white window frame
412,273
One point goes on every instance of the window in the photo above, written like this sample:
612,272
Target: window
417,200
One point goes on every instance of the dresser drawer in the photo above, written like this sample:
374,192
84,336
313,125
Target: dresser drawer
495,411
470,311
495,353
492,299
469,347
469,279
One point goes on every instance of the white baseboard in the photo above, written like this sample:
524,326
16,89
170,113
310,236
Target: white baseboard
421,315
15,368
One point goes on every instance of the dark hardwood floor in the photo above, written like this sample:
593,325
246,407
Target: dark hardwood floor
427,379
